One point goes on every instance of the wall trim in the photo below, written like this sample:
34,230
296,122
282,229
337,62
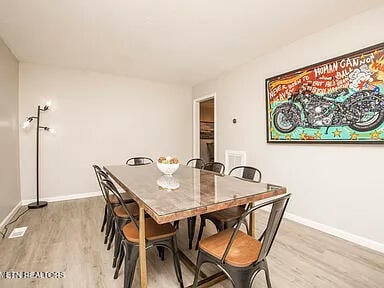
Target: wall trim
64,197
11,214
337,232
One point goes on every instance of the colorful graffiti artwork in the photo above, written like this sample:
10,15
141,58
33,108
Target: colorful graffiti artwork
336,101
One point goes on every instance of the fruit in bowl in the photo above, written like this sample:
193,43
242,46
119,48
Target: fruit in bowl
168,165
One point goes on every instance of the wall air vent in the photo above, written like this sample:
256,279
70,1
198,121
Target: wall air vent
18,232
233,159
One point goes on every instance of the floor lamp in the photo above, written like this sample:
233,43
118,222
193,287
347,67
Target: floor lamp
27,123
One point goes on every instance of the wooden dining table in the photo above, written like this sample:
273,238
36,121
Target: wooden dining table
188,192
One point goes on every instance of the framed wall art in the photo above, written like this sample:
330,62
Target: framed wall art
340,100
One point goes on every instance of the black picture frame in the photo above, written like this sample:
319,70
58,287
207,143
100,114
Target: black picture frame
316,114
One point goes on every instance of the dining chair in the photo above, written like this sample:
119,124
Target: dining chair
215,167
119,217
226,218
156,235
246,172
140,161
110,203
199,164
240,256
137,161
196,163
210,166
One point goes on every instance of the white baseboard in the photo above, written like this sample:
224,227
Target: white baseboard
315,225
11,214
337,232
64,197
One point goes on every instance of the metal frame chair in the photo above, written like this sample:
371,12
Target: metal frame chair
249,173
140,161
137,161
214,167
96,169
233,214
130,250
108,210
118,220
242,277
196,163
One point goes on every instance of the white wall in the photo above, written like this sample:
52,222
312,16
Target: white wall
336,185
9,131
101,119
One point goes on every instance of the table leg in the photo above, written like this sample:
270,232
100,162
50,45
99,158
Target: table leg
252,223
142,251
191,230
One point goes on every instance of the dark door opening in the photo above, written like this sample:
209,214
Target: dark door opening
207,130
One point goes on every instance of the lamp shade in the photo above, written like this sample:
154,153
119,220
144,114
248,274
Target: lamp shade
27,122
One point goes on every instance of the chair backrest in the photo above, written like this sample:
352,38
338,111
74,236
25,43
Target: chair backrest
268,236
99,177
215,167
136,161
196,163
111,188
247,172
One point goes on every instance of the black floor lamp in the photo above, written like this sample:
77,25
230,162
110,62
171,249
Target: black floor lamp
27,123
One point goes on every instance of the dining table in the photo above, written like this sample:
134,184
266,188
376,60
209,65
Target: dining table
186,193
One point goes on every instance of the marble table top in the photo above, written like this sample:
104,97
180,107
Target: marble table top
188,192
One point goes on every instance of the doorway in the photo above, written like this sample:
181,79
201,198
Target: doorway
204,138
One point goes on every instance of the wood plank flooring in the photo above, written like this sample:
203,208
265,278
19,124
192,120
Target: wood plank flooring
65,236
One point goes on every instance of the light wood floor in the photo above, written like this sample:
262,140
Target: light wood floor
65,236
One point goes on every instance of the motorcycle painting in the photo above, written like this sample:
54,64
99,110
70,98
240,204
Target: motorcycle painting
337,101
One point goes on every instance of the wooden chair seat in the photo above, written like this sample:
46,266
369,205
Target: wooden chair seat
125,196
227,215
244,250
133,209
153,231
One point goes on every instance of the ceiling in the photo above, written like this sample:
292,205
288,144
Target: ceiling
180,41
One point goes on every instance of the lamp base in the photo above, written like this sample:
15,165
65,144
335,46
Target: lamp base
36,205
